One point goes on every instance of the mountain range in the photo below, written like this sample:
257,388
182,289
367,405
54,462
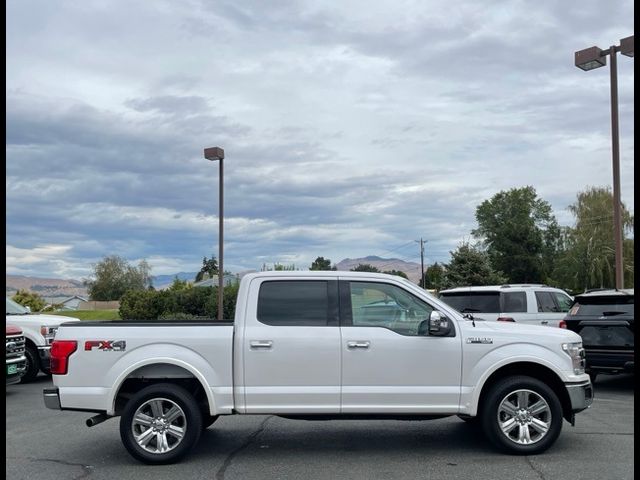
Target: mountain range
57,287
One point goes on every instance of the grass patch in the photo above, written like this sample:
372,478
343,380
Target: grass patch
90,314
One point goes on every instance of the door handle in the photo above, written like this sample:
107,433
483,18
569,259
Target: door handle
359,344
264,344
545,322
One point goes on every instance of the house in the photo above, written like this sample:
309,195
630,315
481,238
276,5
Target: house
65,303
228,279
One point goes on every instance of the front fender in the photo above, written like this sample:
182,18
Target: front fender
480,370
172,355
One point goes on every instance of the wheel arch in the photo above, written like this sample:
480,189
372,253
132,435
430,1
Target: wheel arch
529,369
160,370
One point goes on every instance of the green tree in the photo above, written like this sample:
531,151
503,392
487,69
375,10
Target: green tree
396,272
434,276
321,263
29,299
209,269
113,276
178,285
520,234
470,266
589,257
365,267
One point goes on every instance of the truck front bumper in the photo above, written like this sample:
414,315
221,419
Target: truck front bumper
580,395
51,398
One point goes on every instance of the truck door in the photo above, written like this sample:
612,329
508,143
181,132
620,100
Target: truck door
389,363
291,346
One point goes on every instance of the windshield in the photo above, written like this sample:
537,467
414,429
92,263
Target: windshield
14,308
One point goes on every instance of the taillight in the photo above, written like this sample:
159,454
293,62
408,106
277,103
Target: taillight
61,350
505,319
562,324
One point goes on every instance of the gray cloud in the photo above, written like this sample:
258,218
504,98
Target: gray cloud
348,130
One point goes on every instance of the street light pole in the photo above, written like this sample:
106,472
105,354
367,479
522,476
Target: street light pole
588,59
217,153
422,280
615,156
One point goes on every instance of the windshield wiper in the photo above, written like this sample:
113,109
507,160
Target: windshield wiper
468,309
611,313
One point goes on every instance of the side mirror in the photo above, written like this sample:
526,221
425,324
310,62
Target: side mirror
28,308
439,324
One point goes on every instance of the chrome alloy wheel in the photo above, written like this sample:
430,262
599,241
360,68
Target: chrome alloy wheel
159,425
524,417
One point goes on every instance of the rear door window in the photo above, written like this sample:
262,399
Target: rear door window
546,303
473,302
294,303
514,302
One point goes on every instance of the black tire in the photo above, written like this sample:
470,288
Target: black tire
533,391
208,420
32,365
166,395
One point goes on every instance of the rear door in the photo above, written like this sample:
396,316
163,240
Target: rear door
291,347
552,307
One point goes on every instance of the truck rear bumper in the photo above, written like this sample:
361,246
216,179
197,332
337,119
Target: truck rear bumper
51,398
580,395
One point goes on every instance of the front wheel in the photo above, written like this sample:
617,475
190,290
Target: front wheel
522,415
160,424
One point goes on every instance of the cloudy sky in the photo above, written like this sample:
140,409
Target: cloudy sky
350,128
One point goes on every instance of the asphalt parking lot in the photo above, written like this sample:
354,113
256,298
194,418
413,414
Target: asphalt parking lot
47,444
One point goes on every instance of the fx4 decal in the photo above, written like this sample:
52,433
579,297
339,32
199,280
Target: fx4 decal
106,345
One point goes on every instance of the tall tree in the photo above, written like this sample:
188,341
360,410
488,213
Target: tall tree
322,263
520,234
589,259
470,266
113,276
365,267
209,268
434,276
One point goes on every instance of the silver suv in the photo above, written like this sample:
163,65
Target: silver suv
531,304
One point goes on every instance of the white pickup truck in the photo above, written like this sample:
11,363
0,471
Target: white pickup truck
320,345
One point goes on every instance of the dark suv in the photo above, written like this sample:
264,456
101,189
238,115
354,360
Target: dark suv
604,320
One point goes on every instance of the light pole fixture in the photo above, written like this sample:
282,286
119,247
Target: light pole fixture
213,154
588,59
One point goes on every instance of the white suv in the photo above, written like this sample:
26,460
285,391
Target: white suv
531,304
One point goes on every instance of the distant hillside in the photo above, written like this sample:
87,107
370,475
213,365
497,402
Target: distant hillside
412,269
160,281
46,287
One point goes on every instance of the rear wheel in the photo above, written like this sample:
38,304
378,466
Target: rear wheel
160,424
522,415
32,364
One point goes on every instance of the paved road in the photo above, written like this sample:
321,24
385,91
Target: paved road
45,444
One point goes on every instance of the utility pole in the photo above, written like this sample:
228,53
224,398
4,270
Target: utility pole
421,242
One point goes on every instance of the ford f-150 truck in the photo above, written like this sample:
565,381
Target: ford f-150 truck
321,345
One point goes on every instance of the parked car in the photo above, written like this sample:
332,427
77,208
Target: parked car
14,353
301,347
605,321
530,304
38,330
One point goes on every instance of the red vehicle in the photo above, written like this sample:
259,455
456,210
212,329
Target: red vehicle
14,349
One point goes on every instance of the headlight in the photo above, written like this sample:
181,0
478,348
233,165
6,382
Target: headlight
48,333
576,352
